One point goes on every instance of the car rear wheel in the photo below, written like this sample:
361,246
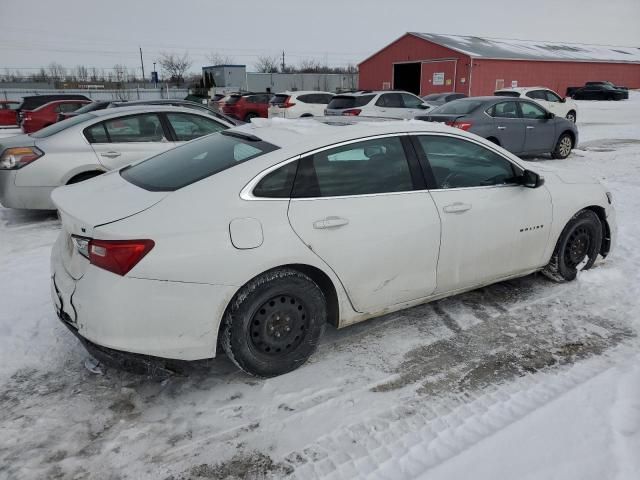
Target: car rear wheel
577,247
249,116
274,323
563,147
571,116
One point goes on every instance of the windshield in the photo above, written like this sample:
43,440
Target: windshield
458,107
194,161
63,125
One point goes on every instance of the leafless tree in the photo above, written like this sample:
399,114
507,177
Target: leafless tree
57,71
266,64
82,73
175,65
216,58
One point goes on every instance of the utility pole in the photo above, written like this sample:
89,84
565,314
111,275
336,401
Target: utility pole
142,64
283,61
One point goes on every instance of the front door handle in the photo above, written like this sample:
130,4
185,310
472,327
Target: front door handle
330,222
502,128
457,207
110,154
529,127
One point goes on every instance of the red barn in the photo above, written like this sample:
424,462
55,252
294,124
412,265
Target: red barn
425,63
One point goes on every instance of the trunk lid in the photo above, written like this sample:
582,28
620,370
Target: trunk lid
441,118
86,205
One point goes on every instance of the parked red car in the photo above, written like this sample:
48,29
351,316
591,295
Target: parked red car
8,113
47,114
245,106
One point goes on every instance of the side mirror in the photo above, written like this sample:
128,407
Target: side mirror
550,116
424,106
531,179
563,100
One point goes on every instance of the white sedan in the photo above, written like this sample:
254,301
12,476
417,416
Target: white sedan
256,237
559,106
87,145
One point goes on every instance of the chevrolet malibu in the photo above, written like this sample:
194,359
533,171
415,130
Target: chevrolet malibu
254,238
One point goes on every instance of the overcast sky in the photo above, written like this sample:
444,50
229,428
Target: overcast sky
102,34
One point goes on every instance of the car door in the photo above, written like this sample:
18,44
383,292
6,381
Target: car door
540,128
362,209
413,105
389,105
555,104
185,127
491,227
122,140
508,127
539,97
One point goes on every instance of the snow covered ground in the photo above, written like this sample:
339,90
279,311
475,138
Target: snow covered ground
521,380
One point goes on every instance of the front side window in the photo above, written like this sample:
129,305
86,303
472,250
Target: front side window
551,96
537,95
136,128
504,110
458,163
188,127
390,100
410,101
194,161
367,167
529,110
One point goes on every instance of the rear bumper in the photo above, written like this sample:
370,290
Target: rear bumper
170,320
13,196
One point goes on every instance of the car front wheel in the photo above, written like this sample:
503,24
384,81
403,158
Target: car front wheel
563,147
571,116
577,247
274,323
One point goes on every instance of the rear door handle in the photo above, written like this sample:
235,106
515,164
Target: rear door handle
330,222
502,128
457,207
110,154
529,127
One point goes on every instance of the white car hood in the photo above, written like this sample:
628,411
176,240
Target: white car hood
560,174
104,199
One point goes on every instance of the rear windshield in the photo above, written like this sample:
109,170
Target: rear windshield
233,99
459,107
63,125
194,161
278,99
347,101
506,94
90,107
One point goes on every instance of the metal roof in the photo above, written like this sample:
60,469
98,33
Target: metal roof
508,49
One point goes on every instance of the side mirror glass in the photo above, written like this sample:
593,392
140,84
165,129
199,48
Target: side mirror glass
531,179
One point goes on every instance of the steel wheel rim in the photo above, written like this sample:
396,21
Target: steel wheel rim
565,146
577,247
279,326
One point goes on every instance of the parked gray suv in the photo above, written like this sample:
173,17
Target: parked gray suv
516,124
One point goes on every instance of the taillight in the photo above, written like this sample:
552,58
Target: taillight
353,112
118,256
461,125
17,157
287,103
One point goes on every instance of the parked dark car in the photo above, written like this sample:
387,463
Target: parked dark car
245,106
516,124
599,92
618,87
437,99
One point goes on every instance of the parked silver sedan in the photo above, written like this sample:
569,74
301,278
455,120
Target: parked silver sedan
87,145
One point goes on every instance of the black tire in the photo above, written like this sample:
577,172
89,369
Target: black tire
563,147
249,116
571,116
580,240
81,177
274,323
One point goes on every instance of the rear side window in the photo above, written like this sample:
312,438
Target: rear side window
188,127
458,163
194,161
504,110
277,184
370,166
136,128
96,134
348,101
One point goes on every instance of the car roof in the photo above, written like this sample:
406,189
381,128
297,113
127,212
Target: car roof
302,92
146,108
309,134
